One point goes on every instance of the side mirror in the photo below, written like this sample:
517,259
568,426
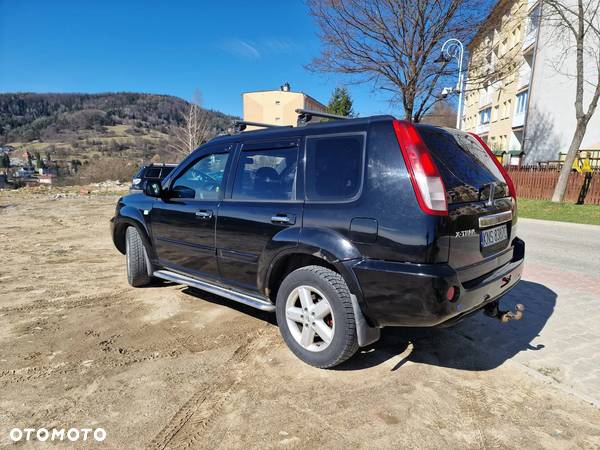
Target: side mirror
153,189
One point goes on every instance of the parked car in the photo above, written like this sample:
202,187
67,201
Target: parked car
340,228
153,171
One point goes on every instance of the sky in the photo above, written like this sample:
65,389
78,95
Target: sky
174,47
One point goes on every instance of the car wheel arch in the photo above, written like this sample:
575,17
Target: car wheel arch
120,233
288,261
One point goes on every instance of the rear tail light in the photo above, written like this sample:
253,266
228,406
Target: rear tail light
511,187
424,175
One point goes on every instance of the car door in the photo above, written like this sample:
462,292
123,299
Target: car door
183,223
261,201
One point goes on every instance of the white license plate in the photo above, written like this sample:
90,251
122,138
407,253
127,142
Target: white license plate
493,236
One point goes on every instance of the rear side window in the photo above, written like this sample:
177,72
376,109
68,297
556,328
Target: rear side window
465,167
334,167
268,174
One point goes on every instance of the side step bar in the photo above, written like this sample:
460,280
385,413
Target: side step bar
246,299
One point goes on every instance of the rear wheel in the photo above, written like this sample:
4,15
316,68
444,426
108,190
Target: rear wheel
315,316
137,259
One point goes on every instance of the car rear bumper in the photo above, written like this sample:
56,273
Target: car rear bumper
404,294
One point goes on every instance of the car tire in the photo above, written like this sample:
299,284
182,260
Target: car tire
302,317
137,259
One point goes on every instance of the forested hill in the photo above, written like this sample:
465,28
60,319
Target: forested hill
26,117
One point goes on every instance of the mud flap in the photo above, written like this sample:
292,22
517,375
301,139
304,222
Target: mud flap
366,334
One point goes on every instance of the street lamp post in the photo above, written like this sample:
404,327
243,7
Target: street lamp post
453,48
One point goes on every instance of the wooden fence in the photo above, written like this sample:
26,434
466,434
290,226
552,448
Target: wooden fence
539,184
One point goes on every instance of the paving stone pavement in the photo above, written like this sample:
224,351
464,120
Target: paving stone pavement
559,336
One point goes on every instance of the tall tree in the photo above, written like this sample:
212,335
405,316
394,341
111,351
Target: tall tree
195,129
576,26
394,44
340,103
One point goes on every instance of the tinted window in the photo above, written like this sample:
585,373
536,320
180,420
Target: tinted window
202,180
334,167
266,175
465,166
152,172
166,171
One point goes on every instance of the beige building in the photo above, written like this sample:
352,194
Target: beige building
277,107
514,97
498,79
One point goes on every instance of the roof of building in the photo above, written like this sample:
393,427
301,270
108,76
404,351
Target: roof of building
285,92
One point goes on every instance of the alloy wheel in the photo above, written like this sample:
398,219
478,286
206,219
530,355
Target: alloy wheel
310,318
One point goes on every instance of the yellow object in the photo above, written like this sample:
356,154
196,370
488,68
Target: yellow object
582,163
586,167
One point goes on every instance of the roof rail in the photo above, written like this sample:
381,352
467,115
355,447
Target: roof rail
306,115
240,125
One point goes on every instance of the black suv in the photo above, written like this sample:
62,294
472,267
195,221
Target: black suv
154,172
341,227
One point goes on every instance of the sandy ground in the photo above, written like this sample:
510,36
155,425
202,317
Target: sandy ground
170,367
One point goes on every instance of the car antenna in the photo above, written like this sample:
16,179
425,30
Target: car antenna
306,115
240,125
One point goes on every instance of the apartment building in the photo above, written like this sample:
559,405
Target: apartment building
277,107
515,97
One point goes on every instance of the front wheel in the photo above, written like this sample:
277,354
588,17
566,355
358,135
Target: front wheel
137,259
315,316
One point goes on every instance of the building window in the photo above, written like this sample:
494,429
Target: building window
484,116
534,19
521,102
495,113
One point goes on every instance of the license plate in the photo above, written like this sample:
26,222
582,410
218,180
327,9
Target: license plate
493,236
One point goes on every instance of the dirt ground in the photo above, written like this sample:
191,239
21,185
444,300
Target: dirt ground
170,367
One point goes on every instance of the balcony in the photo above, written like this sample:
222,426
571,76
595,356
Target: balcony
483,128
524,76
518,120
530,39
485,99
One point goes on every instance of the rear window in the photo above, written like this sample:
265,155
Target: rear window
166,171
152,172
466,168
334,167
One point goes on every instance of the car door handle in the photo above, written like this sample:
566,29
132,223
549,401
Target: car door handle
289,219
204,214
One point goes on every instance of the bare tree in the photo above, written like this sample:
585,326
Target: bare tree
195,129
394,43
576,26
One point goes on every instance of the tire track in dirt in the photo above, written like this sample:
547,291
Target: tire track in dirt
27,374
104,299
214,400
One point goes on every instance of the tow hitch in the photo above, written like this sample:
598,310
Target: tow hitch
493,310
